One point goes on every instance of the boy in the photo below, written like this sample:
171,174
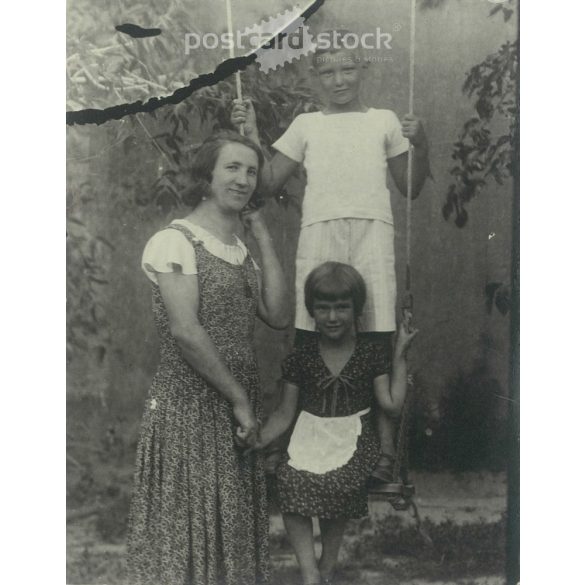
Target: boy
346,149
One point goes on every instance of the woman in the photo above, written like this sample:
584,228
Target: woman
199,512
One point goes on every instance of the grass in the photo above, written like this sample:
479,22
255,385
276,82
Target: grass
387,549
457,551
381,551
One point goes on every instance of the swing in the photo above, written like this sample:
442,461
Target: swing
399,491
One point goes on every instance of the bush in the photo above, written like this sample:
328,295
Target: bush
473,435
465,431
464,550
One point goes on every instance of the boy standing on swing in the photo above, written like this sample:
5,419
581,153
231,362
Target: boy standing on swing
346,149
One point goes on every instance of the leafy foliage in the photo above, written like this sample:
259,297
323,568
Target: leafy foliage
464,431
87,264
106,67
277,99
471,434
478,153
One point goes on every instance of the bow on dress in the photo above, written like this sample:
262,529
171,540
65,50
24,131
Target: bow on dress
338,384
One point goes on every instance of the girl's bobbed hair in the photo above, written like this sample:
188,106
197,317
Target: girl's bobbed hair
206,159
333,281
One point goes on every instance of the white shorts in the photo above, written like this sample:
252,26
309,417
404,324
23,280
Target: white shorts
365,244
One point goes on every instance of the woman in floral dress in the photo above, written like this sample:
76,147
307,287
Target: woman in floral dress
199,514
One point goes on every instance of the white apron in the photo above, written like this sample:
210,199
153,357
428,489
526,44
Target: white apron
321,444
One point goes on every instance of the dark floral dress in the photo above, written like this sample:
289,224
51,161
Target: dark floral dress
341,492
199,512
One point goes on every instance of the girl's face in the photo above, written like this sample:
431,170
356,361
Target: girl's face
340,77
334,319
234,176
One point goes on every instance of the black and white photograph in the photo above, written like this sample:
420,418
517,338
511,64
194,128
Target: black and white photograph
292,281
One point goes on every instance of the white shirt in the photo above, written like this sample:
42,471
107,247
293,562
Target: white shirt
345,156
170,251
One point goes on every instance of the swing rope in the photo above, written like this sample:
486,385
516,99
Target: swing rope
409,299
400,464
400,491
230,26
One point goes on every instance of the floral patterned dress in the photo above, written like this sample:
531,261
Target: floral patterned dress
199,512
341,492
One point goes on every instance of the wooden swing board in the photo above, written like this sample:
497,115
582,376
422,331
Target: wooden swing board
401,489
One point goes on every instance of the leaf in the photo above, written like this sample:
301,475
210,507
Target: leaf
447,210
490,293
503,300
103,240
461,218
98,280
496,9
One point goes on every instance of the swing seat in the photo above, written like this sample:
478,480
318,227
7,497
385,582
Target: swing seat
398,488
399,494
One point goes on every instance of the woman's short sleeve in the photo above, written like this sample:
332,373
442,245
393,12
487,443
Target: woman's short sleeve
168,251
292,370
380,363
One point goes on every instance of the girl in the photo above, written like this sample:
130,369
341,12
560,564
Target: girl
334,380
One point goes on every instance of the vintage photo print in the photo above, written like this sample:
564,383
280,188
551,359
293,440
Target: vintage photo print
292,292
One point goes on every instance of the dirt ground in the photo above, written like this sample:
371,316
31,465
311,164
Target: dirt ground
461,513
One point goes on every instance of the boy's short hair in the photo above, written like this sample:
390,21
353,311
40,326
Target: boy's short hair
332,281
333,41
206,159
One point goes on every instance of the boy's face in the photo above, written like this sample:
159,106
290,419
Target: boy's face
340,74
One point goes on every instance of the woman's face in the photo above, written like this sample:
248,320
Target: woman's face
234,176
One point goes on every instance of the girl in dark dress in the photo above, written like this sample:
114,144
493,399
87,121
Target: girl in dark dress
333,380
199,512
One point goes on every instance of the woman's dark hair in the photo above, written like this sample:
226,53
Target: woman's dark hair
333,281
206,159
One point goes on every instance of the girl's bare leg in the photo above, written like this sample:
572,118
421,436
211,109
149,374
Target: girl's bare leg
385,425
331,537
300,532
386,432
